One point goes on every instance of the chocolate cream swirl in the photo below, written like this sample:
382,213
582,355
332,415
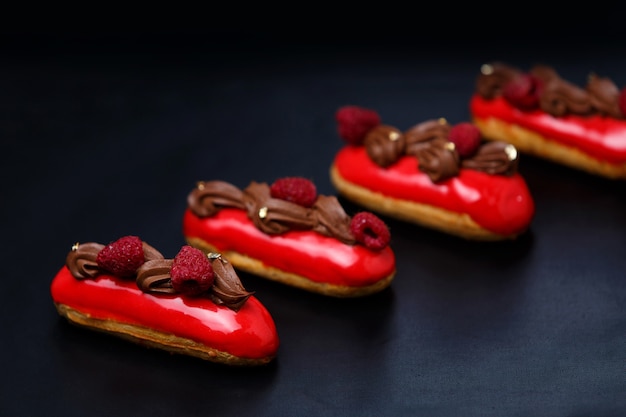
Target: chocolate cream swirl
272,215
82,259
153,276
604,96
557,96
494,158
437,157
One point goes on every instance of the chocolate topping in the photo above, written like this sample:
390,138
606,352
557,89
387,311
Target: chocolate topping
604,96
437,157
273,215
439,160
153,276
383,144
208,197
276,216
493,77
81,260
557,97
544,73
494,157
227,288
420,135
332,220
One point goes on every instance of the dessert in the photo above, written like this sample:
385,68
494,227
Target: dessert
546,116
193,304
288,233
435,175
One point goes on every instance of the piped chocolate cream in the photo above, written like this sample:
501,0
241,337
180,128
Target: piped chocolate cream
272,215
436,155
153,276
556,96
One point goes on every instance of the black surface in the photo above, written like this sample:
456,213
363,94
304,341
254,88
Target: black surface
103,136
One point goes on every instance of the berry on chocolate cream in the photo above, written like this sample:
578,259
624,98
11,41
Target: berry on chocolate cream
122,257
523,91
370,230
354,122
192,272
297,190
466,138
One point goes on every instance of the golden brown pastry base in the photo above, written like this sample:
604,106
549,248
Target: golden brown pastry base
421,214
529,142
256,267
155,339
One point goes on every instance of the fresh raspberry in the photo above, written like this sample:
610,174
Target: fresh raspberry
191,272
123,257
523,92
622,101
298,190
466,138
354,122
370,230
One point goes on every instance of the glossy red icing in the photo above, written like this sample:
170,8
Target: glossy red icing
247,333
306,253
498,203
601,137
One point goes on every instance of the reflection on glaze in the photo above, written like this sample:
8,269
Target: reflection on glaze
248,333
599,136
312,255
498,203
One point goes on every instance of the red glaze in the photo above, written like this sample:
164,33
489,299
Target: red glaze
247,333
498,203
599,136
306,253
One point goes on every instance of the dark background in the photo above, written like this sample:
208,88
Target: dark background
104,131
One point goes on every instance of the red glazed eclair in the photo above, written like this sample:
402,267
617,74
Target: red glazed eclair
434,175
549,117
193,304
288,233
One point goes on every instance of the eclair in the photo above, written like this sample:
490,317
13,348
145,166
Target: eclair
287,232
546,116
434,175
193,304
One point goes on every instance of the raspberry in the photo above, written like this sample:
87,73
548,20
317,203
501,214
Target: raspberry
370,230
523,92
622,101
298,190
354,122
191,272
466,138
123,257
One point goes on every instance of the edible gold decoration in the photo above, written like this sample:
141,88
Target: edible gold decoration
75,246
511,152
486,69
450,146
200,185
263,212
442,121
393,136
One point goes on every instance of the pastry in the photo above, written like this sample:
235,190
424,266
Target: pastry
435,175
193,304
288,233
546,116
